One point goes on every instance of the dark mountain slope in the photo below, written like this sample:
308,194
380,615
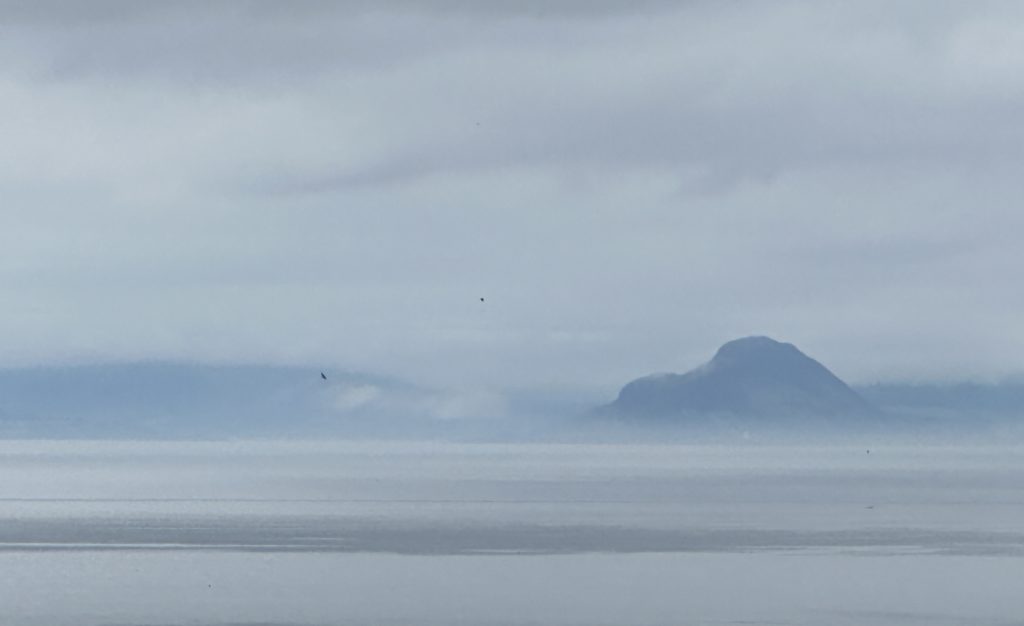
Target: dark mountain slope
750,377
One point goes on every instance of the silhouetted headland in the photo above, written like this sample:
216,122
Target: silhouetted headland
752,377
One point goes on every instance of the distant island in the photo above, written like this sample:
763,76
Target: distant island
748,378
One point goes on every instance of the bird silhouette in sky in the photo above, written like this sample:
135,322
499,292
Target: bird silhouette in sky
322,375
481,299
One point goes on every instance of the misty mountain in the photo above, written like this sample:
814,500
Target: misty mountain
753,377
749,382
966,402
188,400
178,399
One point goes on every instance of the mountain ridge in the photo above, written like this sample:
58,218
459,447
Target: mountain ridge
753,376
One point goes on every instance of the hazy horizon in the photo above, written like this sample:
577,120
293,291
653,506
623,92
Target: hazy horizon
184,401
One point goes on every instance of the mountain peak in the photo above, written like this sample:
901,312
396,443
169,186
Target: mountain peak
747,377
757,349
753,345
770,358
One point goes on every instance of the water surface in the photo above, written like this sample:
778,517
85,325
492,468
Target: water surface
385,533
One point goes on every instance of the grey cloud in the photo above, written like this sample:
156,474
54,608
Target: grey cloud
68,12
676,95
628,186
276,45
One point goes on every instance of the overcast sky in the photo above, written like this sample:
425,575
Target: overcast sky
627,184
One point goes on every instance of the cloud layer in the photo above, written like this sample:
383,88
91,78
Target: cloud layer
627,184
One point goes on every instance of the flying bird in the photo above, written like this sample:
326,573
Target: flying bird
322,375
481,299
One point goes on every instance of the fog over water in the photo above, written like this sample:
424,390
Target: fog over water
436,533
